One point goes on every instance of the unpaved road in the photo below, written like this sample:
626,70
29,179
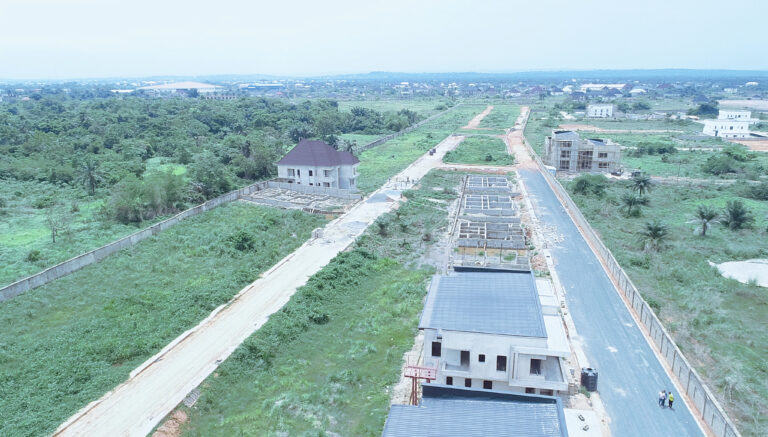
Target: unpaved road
156,387
475,122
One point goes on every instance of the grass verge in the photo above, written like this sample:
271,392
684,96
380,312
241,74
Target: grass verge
326,362
480,150
718,323
68,342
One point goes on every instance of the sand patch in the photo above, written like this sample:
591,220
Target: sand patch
745,271
754,145
475,122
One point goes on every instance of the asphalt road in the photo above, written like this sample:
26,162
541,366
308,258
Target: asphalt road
629,373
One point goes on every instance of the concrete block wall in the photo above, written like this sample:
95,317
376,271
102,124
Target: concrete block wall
709,409
386,138
80,261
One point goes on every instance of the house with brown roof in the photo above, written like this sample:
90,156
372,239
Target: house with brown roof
315,163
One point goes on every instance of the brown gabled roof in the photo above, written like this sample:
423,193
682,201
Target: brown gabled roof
317,154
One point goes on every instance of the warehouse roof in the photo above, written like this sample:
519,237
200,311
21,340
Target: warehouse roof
317,153
488,302
453,411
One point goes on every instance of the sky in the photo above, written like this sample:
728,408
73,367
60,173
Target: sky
64,39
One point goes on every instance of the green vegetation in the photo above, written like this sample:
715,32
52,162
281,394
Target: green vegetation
382,162
326,362
480,150
67,343
698,306
24,226
501,117
424,107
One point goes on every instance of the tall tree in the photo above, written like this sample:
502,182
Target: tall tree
642,184
89,174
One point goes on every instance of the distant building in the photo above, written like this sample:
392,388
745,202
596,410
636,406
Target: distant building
183,88
315,163
458,412
725,114
490,330
600,111
728,128
601,86
567,151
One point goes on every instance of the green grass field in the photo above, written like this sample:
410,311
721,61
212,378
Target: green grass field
384,161
360,139
718,323
501,117
23,227
480,150
325,364
425,107
67,343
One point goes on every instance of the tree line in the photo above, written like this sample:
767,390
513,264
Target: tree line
103,145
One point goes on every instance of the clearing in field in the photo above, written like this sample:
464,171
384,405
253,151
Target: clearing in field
480,150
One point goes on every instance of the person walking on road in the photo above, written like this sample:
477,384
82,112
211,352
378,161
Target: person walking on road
671,399
662,397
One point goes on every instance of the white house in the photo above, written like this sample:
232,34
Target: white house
315,163
492,330
726,114
729,128
600,110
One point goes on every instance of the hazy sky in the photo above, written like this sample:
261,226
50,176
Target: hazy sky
97,38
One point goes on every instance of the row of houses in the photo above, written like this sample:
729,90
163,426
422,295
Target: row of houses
495,347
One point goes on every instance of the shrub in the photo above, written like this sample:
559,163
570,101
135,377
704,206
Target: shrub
43,202
590,184
720,164
757,192
242,240
737,216
34,255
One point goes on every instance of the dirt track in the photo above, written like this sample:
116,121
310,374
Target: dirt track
154,389
475,122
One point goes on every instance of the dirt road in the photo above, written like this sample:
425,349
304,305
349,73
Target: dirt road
475,122
156,387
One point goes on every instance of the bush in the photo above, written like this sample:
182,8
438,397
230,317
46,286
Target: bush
242,240
34,256
720,164
43,202
587,184
737,216
757,192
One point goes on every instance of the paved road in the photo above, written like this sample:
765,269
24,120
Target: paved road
630,375
156,387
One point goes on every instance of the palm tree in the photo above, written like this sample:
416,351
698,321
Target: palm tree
654,234
736,215
642,184
706,215
90,175
633,203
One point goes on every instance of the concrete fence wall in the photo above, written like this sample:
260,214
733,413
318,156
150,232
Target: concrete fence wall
709,409
311,189
413,127
80,261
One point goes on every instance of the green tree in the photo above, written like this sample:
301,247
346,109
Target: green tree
653,235
89,174
737,216
633,203
705,216
642,184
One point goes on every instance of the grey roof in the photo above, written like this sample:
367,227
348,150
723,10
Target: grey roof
317,153
565,135
487,302
452,411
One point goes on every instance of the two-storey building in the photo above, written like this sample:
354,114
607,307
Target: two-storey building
567,151
315,163
490,330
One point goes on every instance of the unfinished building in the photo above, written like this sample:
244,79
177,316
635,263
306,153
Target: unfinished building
488,231
567,151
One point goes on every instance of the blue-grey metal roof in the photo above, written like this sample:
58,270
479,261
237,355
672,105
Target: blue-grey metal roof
453,411
565,135
487,302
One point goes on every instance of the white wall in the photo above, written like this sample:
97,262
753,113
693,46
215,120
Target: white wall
726,128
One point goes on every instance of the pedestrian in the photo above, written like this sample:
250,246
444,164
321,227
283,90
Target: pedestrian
664,401
671,398
661,398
